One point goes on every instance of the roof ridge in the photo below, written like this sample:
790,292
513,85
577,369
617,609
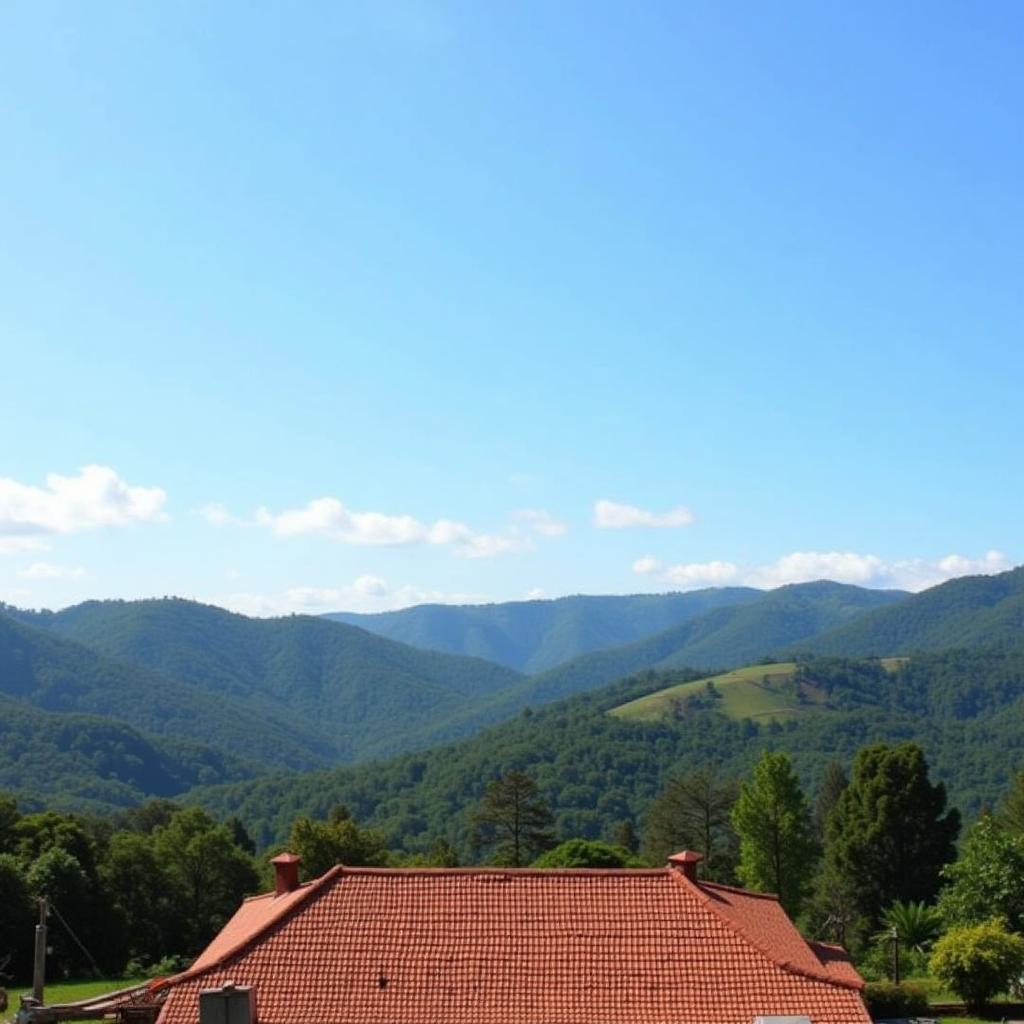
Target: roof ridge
307,892
514,872
737,888
696,889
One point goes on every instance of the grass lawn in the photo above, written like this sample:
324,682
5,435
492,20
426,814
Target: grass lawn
70,991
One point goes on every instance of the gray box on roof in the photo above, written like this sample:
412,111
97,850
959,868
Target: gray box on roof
230,1004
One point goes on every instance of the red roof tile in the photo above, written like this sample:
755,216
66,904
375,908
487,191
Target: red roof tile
494,946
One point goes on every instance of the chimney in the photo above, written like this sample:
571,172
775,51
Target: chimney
686,862
286,872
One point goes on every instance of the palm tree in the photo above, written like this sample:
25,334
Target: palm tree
916,925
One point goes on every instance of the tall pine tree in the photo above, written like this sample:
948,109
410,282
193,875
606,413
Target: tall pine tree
889,834
773,821
693,813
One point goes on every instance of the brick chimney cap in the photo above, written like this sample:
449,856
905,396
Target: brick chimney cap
686,857
286,858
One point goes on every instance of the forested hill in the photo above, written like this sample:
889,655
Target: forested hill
597,770
967,612
356,694
53,674
723,638
71,761
532,636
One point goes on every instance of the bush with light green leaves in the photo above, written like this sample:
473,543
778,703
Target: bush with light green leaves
978,962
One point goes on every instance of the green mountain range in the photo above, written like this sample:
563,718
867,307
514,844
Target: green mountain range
597,768
724,638
116,700
533,636
334,691
968,612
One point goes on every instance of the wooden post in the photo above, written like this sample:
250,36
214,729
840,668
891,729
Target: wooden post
39,963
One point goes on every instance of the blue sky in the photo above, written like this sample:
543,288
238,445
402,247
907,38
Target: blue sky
358,305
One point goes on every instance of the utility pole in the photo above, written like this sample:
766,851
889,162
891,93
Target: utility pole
39,962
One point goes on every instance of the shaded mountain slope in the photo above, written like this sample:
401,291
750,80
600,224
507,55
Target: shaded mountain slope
971,611
361,694
532,636
55,674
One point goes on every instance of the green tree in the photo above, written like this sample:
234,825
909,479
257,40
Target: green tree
586,853
833,783
694,813
143,895
76,934
624,835
441,854
240,835
987,880
1011,812
512,820
322,844
208,874
17,917
148,816
35,834
773,822
889,834
9,817
978,962
916,925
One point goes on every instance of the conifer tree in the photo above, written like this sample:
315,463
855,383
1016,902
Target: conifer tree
773,821
693,813
832,785
512,820
889,834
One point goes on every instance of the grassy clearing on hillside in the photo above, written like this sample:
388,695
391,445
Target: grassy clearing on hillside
762,692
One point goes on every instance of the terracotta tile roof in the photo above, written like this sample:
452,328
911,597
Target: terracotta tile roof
495,946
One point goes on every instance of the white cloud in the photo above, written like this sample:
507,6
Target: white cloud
803,566
96,497
48,571
541,521
535,594
841,566
217,515
646,566
701,574
366,593
330,517
610,515
15,544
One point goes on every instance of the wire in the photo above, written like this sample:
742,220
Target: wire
60,917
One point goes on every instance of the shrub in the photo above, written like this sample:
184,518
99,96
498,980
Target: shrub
977,963
586,853
884,999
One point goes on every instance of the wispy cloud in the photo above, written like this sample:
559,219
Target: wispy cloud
611,515
366,593
217,514
96,497
841,566
16,544
541,522
331,518
49,571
